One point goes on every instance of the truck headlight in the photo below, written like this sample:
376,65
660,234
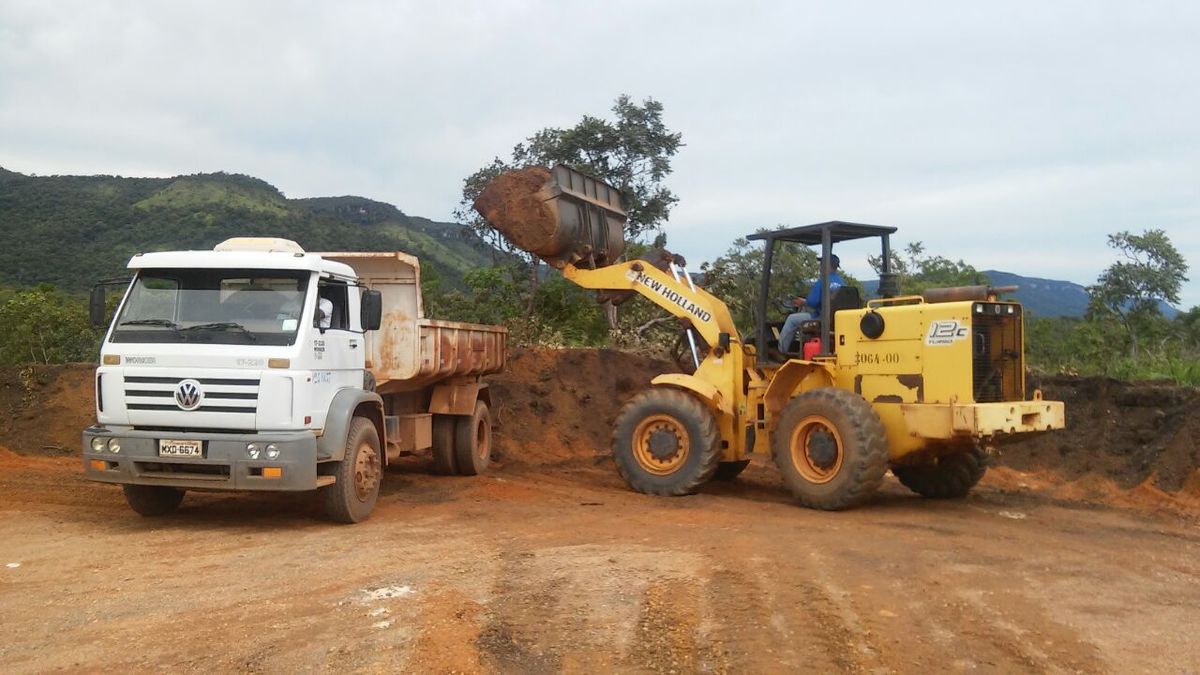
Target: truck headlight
252,450
114,445
272,451
98,444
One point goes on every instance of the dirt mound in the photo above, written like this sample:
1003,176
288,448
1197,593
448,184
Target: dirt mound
1126,433
513,203
44,409
554,407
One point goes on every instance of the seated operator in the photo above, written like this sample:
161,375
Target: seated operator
324,315
812,305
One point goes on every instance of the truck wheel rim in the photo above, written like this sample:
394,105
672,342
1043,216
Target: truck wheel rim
366,471
483,439
660,444
812,441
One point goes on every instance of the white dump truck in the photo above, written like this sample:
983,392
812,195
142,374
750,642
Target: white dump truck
258,366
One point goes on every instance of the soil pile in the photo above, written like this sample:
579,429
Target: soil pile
1130,434
514,204
555,407
44,409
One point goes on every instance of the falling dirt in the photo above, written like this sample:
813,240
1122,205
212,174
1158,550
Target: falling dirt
514,204
548,563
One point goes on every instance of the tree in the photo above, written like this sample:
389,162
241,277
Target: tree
1151,270
43,326
918,271
631,152
735,277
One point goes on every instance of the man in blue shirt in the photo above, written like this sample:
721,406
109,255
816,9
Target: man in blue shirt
812,304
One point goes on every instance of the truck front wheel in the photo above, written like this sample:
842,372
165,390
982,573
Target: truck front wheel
152,500
352,496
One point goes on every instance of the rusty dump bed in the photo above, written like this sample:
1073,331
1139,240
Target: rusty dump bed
409,351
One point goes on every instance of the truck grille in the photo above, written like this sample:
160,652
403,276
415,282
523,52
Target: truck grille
996,360
221,394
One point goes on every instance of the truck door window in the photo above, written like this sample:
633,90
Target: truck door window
332,305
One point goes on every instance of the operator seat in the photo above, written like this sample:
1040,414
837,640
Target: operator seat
846,297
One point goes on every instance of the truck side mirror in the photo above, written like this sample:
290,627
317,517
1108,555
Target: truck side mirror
371,310
96,307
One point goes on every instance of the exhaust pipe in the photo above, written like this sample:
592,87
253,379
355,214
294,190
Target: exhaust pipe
560,215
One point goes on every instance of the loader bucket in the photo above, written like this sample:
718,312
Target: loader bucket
561,215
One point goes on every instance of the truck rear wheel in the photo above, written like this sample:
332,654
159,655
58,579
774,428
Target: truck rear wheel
947,477
444,463
353,495
152,500
473,441
831,448
666,442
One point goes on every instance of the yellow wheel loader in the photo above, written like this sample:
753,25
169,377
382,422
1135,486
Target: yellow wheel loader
918,384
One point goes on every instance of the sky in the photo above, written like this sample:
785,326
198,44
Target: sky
1014,135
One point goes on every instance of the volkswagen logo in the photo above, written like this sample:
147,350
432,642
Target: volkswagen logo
189,395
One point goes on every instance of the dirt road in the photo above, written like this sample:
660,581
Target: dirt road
548,569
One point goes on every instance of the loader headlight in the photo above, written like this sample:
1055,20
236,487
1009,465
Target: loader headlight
97,444
272,451
114,445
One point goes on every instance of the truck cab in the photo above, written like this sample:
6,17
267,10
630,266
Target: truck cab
249,367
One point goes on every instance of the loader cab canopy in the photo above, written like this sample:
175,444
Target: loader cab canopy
824,235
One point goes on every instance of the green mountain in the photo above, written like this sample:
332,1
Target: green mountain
73,230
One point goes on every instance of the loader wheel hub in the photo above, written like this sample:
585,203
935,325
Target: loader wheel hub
663,445
660,444
817,449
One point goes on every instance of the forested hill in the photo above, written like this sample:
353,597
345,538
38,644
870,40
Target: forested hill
72,230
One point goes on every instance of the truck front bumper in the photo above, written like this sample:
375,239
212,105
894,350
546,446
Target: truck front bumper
225,464
981,420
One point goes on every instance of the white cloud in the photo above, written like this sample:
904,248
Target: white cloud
1015,135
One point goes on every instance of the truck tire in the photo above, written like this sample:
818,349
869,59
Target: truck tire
727,471
947,477
831,448
473,441
666,442
444,463
352,496
152,500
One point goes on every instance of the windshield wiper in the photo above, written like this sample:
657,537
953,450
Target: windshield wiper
223,325
165,323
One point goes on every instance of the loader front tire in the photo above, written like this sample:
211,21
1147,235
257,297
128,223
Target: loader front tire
947,477
831,448
666,442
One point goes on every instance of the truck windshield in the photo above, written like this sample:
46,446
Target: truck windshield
213,306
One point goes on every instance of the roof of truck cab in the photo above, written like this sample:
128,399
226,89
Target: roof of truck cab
251,260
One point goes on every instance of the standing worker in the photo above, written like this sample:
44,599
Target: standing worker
812,305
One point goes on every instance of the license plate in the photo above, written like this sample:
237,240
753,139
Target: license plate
181,448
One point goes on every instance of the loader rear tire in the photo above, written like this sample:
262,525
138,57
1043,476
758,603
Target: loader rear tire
444,463
351,499
727,471
473,441
152,500
948,477
666,442
831,448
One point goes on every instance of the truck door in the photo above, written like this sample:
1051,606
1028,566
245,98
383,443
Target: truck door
338,351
